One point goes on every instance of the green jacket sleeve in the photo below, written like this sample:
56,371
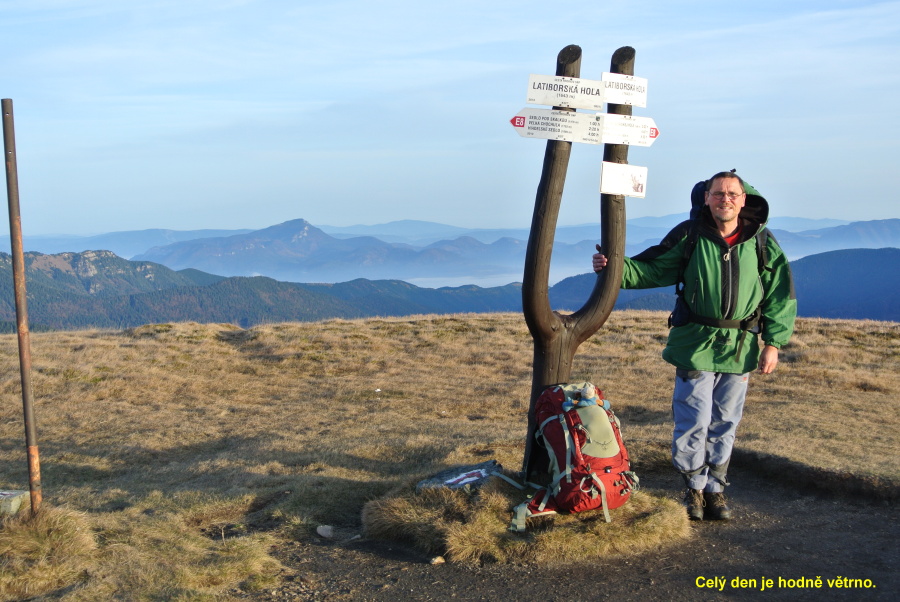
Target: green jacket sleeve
779,306
659,265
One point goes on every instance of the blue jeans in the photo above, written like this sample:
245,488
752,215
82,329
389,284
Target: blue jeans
707,408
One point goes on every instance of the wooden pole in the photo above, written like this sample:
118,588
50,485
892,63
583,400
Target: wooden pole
556,336
18,265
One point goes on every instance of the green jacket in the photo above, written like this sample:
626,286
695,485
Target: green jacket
721,283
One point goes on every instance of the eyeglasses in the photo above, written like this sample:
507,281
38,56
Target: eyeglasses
732,196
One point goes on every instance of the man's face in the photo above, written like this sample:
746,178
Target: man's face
725,199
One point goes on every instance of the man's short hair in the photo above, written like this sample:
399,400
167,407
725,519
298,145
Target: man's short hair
725,174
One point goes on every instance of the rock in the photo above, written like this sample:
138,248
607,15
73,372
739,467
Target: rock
325,531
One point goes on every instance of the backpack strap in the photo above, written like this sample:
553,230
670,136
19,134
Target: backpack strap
570,446
762,250
631,480
520,513
512,482
690,243
602,496
748,323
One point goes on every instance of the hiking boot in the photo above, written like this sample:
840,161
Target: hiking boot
693,499
716,506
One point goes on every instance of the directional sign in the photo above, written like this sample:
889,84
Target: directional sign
576,93
590,128
625,129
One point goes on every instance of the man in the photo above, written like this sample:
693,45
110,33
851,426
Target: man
713,343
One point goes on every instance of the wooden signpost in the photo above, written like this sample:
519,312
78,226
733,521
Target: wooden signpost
557,336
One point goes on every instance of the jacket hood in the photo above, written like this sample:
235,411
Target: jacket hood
755,211
756,208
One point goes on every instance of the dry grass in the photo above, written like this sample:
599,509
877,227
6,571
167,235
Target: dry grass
53,549
189,449
472,528
827,406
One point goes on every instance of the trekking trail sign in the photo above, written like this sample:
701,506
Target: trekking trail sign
590,128
576,93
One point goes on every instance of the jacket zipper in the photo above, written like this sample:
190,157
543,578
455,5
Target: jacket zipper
728,285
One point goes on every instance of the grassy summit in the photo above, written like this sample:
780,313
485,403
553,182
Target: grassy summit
174,455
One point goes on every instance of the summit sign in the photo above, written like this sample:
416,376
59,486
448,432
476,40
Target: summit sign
564,123
577,93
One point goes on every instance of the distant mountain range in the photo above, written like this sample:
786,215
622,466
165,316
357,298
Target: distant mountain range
297,251
423,253
124,244
97,289
420,233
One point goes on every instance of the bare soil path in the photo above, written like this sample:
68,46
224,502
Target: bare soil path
779,533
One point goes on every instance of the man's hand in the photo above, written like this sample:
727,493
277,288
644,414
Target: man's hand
768,359
599,260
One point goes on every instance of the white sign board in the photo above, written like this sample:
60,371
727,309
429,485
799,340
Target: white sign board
623,179
590,128
577,93
625,129
625,89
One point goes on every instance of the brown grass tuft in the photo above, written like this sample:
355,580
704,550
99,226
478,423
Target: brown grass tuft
472,528
44,552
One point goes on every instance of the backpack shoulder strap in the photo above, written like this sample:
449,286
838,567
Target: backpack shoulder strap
690,243
762,249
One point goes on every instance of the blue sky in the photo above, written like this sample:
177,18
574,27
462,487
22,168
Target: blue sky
189,114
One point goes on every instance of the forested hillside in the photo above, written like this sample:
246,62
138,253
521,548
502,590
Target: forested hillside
99,289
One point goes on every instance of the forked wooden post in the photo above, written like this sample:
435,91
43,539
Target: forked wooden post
557,336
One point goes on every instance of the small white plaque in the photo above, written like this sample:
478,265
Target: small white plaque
623,179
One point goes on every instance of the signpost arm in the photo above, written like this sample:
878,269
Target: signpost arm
18,265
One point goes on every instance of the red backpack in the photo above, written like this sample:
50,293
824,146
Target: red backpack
588,460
